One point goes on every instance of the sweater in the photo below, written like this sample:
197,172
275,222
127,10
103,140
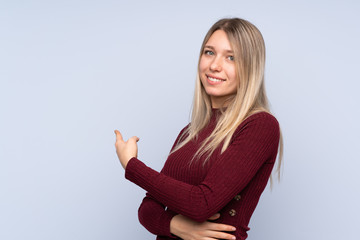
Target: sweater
229,183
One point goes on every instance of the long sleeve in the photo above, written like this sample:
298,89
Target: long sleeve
153,216
254,144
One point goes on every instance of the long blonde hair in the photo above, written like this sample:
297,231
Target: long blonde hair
249,53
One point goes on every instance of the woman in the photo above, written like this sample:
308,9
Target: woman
221,162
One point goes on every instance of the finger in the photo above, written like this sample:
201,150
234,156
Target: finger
134,138
215,216
220,227
118,135
221,235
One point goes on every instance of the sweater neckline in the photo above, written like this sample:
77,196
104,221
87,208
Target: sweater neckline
215,113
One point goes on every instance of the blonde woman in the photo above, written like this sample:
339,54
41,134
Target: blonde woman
221,162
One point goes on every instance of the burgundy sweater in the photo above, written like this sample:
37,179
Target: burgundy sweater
229,183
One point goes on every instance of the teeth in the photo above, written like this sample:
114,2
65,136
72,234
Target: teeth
214,79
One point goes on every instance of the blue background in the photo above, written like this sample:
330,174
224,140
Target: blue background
73,71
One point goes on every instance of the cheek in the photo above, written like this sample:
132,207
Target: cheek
202,65
232,73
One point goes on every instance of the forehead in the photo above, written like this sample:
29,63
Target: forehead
219,40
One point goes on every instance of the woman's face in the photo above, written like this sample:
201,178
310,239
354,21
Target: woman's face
217,69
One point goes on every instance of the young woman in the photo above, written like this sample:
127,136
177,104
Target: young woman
221,162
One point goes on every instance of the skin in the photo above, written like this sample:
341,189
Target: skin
188,229
125,150
216,63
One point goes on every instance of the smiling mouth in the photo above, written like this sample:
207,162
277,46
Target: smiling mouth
215,80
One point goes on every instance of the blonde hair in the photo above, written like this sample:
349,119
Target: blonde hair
249,53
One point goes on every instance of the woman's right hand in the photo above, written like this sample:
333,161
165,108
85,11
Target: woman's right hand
189,229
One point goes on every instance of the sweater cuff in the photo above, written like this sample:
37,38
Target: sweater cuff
133,171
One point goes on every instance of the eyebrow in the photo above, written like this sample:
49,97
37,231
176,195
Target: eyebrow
211,47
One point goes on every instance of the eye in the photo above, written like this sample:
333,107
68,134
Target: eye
208,52
231,58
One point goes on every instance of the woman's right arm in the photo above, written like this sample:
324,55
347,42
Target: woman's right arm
157,220
255,145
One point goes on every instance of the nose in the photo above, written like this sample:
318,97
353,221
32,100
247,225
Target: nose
216,65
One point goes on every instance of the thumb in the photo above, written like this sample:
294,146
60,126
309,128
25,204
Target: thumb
215,216
118,135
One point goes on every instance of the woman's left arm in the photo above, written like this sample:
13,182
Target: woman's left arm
255,142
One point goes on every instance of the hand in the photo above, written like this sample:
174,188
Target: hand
125,150
189,229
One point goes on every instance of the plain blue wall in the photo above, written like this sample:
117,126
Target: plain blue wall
73,71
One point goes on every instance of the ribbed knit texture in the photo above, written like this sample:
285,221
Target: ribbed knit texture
229,183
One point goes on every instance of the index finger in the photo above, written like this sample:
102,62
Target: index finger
221,227
134,138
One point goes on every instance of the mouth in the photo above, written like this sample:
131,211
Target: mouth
214,80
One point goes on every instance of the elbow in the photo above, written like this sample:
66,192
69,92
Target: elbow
141,215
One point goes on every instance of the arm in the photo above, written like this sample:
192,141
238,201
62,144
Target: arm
159,221
163,222
153,216
255,143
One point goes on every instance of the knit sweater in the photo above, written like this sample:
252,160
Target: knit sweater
229,183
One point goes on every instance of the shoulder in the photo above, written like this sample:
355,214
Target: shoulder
262,118
184,130
262,124
181,136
